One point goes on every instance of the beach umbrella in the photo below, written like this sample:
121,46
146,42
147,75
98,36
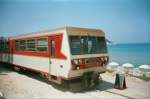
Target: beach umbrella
136,72
145,68
113,65
128,66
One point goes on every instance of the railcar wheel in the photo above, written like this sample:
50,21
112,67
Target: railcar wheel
86,81
65,83
90,80
19,70
95,78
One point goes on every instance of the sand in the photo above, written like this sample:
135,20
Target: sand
31,85
136,88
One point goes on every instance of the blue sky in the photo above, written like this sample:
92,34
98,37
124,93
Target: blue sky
123,21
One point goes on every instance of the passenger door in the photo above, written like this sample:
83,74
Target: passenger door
52,52
55,46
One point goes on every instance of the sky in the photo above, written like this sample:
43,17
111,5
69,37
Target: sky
123,21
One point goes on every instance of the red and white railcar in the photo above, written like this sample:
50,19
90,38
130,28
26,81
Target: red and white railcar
62,54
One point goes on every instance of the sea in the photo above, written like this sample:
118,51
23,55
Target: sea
136,54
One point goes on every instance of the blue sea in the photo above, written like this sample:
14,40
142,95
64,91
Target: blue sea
136,54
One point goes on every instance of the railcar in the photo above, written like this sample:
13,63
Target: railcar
61,55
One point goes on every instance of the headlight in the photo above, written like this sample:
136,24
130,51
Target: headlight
86,61
78,67
76,61
80,61
106,58
102,59
75,64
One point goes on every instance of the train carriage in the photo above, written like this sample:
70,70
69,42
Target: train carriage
60,55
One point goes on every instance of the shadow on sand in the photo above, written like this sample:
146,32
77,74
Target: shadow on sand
5,68
104,85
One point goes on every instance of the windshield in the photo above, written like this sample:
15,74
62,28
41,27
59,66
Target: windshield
75,45
87,45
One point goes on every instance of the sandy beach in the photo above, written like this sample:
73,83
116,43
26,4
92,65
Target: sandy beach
31,85
136,88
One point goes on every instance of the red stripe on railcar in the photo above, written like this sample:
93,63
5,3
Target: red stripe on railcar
59,54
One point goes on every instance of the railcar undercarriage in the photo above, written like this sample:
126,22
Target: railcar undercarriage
88,81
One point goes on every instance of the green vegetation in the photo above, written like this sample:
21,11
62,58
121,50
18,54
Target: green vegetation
4,46
143,77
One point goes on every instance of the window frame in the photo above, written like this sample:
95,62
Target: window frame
40,46
51,48
70,44
82,48
32,43
105,43
19,45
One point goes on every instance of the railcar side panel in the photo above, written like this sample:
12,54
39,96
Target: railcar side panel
37,63
59,65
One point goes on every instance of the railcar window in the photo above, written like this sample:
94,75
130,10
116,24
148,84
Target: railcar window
31,45
42,41
87,45
22,45
84,41
42,44
92,45
53,48
101,45
75,45
22,48
22,42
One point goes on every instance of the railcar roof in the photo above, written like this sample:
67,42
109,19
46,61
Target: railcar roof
57,29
